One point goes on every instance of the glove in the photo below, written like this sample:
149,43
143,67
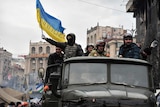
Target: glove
43,36
154,44
144,55
148,51
46,88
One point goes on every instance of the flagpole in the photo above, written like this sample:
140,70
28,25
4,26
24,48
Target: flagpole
41,31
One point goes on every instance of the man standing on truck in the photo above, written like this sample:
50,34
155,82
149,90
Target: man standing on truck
99,51
132,50
70,48
129,49
54,58
88,49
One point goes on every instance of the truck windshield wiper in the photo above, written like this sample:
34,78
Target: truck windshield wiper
97,83
124,84
88,83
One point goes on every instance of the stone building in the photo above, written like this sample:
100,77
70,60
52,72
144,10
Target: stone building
5,65
11,71
17,80
147,14
37,58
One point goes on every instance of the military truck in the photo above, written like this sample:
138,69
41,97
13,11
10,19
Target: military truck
100,82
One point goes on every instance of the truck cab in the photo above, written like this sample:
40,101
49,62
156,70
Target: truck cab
100,82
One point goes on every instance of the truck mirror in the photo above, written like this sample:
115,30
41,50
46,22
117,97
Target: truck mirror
54,79
41,72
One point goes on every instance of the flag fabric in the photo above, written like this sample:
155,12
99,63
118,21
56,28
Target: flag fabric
39,87
30,91
51,25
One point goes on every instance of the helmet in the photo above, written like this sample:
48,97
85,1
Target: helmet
127,36
100,43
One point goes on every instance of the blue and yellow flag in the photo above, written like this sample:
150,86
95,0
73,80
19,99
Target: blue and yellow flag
51,25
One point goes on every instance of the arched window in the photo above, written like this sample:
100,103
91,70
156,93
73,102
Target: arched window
91,39
88,40
40,49
33,50
95,36
48,49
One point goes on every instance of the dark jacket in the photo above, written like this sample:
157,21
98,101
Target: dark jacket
130,51
86,54
63,45
53,59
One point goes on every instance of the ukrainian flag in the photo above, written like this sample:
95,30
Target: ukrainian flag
51,25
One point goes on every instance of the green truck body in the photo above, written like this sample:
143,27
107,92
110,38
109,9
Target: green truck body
100,82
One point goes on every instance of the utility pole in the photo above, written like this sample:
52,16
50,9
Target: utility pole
132,31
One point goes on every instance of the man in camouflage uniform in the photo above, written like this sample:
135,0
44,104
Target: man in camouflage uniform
70,48
99,51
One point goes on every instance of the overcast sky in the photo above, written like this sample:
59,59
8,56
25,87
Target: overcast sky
19,26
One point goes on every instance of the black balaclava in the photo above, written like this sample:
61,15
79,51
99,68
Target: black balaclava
71,39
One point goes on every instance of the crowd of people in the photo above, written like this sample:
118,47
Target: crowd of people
15,104
20,104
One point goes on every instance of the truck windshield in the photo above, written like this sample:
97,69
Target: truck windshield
87,73
136,75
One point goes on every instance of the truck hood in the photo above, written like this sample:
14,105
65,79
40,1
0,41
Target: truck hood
103,91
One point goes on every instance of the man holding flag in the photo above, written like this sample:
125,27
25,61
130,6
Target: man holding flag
70,48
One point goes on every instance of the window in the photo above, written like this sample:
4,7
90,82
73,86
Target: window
33,50
66,74
87,73
95,36
48,49
33,63
40,62
40,49
136,75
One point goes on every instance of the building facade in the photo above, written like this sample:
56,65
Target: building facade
37,58
17,79
147,14
5,65
11,70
